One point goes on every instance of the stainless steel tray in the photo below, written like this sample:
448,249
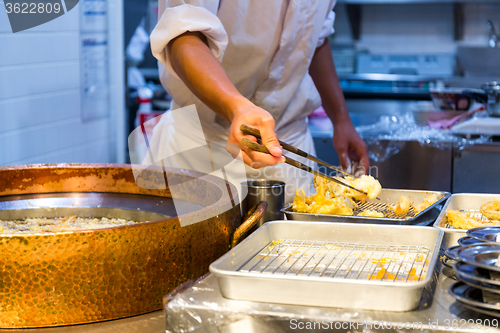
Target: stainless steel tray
464,202
333,265
387,197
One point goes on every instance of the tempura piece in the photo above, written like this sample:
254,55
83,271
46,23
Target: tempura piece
321,203
364,183
491,210
428,201
334,199
402,207
460,220
371,213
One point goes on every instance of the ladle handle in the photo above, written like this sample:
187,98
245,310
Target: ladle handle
253,216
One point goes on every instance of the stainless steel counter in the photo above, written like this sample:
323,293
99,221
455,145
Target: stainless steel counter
202,308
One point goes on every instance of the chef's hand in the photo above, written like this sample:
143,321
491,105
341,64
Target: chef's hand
350,147
260,119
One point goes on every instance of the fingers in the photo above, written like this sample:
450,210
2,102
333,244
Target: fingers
344,160
261,159
269,138
365,161
252,158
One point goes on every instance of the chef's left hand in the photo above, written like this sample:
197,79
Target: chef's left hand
350,147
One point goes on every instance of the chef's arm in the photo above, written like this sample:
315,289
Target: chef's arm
202,73
347,142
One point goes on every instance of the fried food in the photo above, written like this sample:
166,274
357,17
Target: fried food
364,183
321,203
402,207
491,210
49,225
428,201
460,220
371,213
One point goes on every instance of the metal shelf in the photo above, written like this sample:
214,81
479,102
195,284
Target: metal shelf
355,12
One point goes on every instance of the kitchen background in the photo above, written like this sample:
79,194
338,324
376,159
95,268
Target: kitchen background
64,96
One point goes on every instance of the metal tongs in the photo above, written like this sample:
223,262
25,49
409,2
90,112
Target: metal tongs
260,148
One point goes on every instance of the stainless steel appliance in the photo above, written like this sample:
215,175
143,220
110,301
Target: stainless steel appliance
489,96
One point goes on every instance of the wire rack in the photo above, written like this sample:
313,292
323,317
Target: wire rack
474,213
384,209
340,260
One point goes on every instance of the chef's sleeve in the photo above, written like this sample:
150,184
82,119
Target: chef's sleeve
180,16
327,28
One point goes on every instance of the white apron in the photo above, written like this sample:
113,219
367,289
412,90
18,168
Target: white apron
266,48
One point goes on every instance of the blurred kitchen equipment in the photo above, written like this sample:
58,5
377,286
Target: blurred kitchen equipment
406,64
489,96
271,191
476,61
450,99
74,277
345,59
377,267
493,41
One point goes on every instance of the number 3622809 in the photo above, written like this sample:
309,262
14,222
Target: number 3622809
33,8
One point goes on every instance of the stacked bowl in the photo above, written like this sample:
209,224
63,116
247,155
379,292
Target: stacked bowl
476,262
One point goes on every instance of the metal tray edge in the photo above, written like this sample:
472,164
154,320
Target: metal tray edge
413,285
442,214
286,210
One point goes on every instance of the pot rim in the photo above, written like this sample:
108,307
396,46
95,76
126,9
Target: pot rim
220,183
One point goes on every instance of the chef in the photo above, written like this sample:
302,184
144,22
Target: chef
263,63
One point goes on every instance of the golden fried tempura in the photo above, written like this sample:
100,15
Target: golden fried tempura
320,204
364,183
491,210
428,200
334,199
402,207
372,213
459,220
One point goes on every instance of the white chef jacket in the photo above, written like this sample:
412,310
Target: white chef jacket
265,47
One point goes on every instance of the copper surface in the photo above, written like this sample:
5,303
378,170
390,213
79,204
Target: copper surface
93,275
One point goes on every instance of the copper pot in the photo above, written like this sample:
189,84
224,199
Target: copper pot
78,277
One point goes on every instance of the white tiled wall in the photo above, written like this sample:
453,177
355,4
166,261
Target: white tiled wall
416,28
40,100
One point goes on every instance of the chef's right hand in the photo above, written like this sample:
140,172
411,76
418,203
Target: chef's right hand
260,119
